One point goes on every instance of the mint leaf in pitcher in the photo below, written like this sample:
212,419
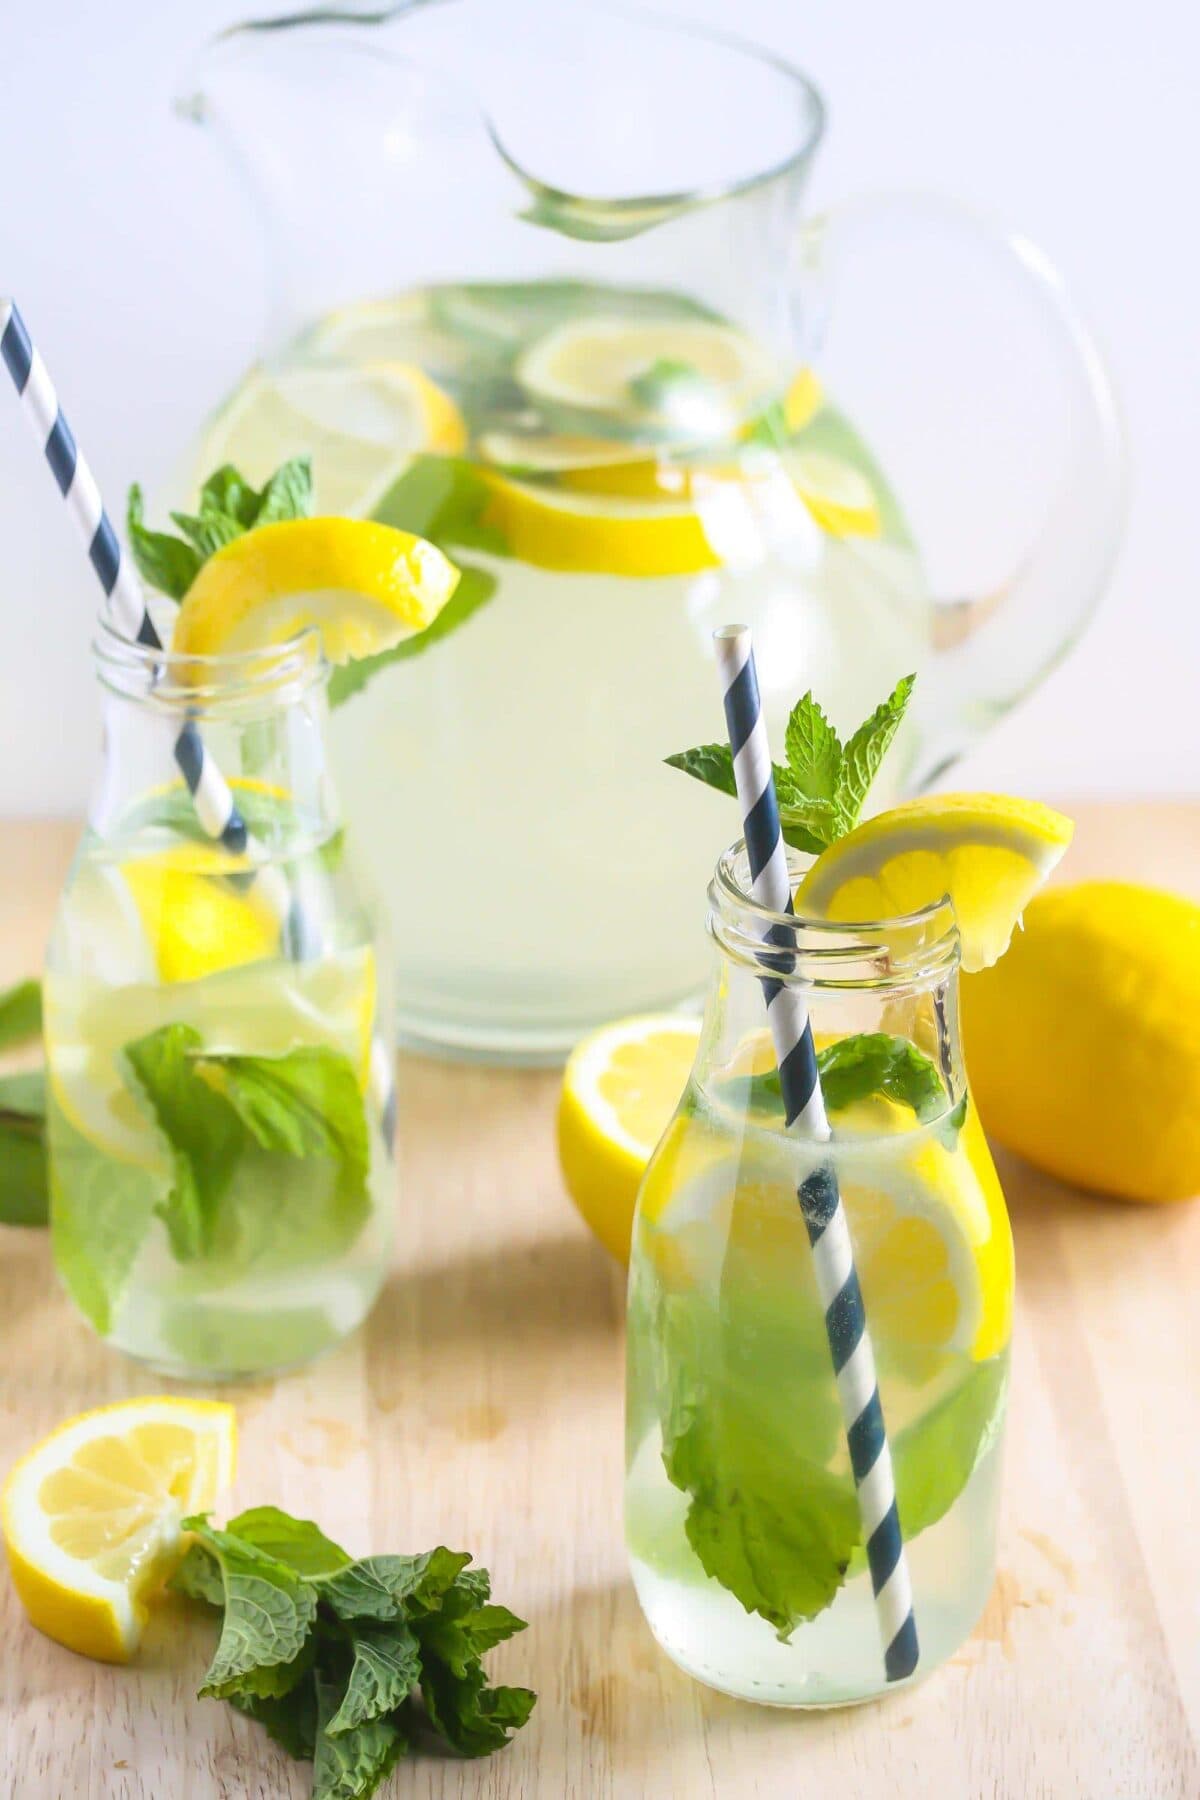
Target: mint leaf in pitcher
822,787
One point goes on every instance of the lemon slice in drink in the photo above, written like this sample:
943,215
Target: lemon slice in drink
988,853
196,923
362,425
91,1515
364,586
619,1090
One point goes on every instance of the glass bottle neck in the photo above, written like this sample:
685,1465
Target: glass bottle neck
175,738
881,997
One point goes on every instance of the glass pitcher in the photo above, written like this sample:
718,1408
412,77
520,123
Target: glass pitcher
745,1534
222,1189
543,290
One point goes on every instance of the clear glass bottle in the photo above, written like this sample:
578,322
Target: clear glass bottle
741,1518
219,1113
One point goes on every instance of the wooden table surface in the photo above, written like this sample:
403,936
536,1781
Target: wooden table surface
481,1407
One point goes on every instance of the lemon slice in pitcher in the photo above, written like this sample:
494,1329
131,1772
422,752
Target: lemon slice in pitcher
987,853
687,376
362,585
361,424
91,1515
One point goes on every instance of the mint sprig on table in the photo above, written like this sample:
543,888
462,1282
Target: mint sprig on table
350,1664
824,783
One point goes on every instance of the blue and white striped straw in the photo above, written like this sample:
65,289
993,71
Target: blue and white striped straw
820,1201
211,795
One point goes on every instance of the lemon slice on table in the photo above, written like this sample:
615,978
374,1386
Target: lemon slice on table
362,425
987,853
91,1514
364,586
620,1087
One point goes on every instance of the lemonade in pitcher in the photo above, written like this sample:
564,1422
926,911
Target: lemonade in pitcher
614,471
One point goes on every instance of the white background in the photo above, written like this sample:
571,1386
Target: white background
137,267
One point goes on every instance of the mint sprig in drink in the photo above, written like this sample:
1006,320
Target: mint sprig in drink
221,1183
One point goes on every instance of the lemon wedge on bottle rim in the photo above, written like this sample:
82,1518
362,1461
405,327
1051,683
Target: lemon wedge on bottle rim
362,585
987,853
91,1514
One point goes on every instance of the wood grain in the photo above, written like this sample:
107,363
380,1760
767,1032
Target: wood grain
481,1406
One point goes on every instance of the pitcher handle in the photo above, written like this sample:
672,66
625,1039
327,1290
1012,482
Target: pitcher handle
955,349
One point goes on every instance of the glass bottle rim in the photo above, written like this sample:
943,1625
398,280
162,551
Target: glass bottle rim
231,683
915,949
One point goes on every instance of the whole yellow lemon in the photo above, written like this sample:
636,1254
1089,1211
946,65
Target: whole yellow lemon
1083,1042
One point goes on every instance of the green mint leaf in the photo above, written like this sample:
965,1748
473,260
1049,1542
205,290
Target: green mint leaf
856,1067
350,1764
709,763
470,1716
20,1014
386,1668
814,751
227,491
443,499
199,1576
387,1587
288,494
291,1719
299,1543
208,532
875,1062
269,1613
164,562
101,1211
464,1627
475,588
868,747
934,1457
954,1122
202,1132
766,1519
307,1103
24,1175
664,381
807,825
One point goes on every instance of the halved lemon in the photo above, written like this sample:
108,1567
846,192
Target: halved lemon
364,586
987,853
361,425
91,1514
194,920
619,1090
